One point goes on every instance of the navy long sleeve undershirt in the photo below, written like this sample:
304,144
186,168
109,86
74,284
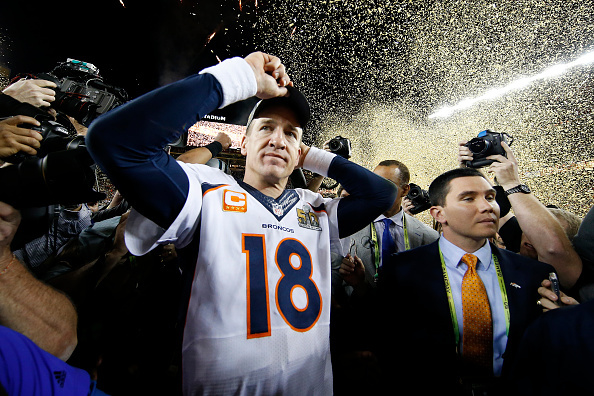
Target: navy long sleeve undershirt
127,143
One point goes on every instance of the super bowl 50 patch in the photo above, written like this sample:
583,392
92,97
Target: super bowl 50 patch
308,219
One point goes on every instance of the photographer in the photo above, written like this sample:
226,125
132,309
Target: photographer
538,224
52,177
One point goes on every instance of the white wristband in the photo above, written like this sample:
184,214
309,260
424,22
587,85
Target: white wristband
236,78
318,160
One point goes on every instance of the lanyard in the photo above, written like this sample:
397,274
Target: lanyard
451,296
376,251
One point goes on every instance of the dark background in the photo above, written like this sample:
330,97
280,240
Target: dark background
137,47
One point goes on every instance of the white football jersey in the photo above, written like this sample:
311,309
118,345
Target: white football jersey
259,312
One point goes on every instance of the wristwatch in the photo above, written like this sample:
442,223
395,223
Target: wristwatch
520,188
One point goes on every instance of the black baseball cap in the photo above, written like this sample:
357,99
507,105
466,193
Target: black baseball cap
296,101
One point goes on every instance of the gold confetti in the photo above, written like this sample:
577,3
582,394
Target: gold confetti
374,72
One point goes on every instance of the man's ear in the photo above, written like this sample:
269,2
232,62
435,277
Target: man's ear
242,145
405,189
438,214
299,163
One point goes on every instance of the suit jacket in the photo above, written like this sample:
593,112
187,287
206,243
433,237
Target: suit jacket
416,328
419,234
563,338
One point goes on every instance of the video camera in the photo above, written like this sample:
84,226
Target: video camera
419,198
81,92
485,144
340,146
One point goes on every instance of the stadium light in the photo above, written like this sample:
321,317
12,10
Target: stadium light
520,83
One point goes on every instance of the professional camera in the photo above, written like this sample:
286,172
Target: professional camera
340,146
63,177
56,137
62,172
81,92
419,198
485,144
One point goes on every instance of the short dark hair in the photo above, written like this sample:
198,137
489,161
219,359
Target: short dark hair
404,172
440,187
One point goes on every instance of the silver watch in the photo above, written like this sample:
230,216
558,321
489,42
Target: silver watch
520,188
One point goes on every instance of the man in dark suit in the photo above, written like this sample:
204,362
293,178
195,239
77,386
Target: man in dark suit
394,230
437,336
404,232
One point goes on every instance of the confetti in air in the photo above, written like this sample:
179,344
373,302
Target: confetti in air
551,72
375,71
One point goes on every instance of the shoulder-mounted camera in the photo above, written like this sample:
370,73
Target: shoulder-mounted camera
81,92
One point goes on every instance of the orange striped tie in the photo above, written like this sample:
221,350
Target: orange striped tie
477,341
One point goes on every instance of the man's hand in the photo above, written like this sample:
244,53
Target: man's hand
505,169
224,139
352,270
304,151
14,139
34,92
270,75
407,205
464,154
549,298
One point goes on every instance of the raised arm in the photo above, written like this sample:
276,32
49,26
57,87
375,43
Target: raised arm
128,142
201,155
538,224
369,194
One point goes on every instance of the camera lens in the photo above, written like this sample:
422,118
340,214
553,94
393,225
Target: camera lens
478,145
335,145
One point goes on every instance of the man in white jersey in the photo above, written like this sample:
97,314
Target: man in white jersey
257,255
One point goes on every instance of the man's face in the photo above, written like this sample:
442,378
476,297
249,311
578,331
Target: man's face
470,210
392,173
272,145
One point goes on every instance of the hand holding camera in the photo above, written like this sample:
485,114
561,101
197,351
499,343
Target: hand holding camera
35,92
505,168
16,136
418,200
477,150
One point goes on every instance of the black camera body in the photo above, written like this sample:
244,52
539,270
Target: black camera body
419,198
485,144
55,137
81,92
340,146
